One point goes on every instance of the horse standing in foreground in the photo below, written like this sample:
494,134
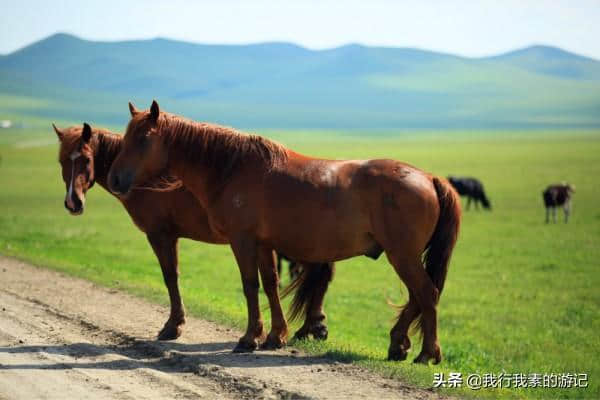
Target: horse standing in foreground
558,195
263,196
86,156
473,189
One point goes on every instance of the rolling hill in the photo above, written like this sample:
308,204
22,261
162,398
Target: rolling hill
281,85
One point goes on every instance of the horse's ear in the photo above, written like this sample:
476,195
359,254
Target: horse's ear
59,133
86,134
134,111
154,110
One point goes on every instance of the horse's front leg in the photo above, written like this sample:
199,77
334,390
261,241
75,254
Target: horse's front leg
277,337
165,248
245,251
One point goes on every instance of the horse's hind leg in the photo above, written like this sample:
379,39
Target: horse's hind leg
295,269
165,248
277,337
425,296
399,340
316,282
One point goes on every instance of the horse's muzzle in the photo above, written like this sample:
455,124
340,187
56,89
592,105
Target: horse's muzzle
77,208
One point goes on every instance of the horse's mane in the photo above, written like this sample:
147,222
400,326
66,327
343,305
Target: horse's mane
108,146
221,148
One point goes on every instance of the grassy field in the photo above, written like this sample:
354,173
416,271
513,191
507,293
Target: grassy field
521,296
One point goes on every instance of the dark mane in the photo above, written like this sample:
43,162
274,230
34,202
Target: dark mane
219,147
107,147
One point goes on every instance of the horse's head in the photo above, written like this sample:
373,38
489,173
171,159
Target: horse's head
143,155
77,162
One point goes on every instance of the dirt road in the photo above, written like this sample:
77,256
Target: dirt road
63,338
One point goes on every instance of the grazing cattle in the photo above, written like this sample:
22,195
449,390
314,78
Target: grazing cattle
558,195
264,197
473,189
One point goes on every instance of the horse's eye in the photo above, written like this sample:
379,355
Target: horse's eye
144,140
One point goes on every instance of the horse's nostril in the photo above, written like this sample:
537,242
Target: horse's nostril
77,203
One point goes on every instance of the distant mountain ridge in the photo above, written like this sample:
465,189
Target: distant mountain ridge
282,85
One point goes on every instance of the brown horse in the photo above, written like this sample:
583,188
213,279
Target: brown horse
86,155
263,196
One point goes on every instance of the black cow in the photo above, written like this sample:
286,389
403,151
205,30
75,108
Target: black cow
472,188
558,195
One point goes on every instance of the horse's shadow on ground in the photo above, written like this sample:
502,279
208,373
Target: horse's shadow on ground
161,356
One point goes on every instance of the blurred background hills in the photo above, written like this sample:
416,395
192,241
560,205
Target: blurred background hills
282,85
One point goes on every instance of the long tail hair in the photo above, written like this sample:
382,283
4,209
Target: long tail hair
441,244
305,287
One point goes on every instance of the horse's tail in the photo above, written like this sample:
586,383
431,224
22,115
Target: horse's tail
441,244
305,287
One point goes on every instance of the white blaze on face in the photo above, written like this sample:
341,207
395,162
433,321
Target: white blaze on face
74,156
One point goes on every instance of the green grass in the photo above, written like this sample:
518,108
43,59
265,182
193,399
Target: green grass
521,296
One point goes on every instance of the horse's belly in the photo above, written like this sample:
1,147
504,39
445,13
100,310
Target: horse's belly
320,238
322,218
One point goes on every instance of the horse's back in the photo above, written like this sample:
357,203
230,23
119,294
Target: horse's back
336,184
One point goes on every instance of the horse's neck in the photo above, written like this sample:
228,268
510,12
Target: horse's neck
104,156
196,177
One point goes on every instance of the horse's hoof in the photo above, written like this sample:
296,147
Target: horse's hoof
397,355
424,358
319,332
245,347
272,343
170,332
301,334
